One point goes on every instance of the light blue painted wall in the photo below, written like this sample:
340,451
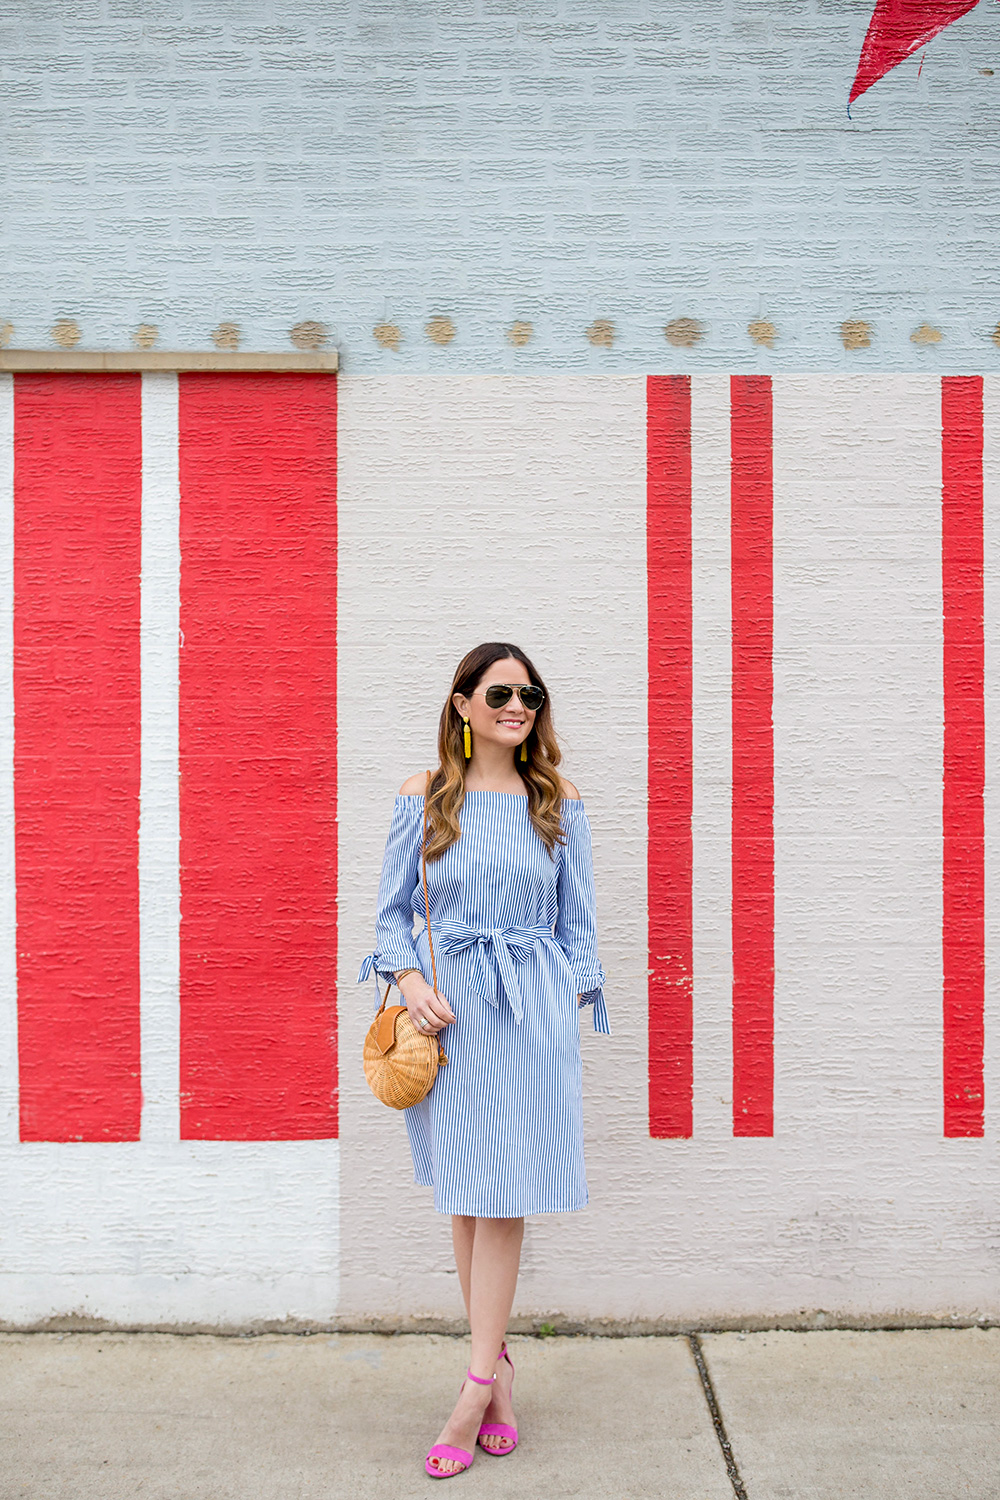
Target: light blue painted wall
268,161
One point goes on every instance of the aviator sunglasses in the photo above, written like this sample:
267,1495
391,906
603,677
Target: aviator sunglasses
499,693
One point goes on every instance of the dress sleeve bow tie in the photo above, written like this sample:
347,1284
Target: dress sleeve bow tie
499,950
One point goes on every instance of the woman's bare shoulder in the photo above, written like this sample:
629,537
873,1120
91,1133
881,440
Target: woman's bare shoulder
414,786
569,790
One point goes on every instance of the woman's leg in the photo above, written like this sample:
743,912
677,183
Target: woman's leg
463,1234
487,1254
496,1260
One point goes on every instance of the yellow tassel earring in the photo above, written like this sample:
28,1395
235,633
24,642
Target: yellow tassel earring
467,740
524,750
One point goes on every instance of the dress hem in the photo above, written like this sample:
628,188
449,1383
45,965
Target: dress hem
511,1213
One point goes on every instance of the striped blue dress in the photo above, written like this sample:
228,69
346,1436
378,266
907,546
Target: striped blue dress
500,1134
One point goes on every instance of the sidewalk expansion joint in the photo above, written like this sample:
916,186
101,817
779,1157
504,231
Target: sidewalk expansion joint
713,1406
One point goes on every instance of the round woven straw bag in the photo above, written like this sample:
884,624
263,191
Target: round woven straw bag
401,1062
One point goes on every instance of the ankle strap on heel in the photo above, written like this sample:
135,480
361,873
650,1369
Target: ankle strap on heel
479,1379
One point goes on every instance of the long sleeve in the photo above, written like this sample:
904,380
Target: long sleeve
394,946
576,923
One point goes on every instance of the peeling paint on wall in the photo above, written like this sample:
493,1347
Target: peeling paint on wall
309,335
388,335
855,334
66,333
601,333
226,336
684,333
440,330
519,334
762,332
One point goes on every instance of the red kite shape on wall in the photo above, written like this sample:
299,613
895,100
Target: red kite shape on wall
896,30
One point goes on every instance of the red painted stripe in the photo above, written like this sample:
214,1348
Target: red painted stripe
964,752
753,758
258,756
668,544
77,520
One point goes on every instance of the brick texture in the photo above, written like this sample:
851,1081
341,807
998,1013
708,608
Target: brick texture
499,160
547,162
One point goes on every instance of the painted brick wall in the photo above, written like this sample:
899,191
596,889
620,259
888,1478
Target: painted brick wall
412,181
473,508
549,162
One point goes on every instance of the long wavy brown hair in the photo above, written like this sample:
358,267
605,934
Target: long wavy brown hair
541,779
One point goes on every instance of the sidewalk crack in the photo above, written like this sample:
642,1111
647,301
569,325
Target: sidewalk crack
698,1354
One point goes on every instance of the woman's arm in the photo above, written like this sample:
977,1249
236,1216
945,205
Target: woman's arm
394,946
576,922
571,794
395,951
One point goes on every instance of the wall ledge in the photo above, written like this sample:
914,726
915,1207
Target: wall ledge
447,1327
96,361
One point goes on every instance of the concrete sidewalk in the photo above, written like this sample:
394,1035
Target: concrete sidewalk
810,1416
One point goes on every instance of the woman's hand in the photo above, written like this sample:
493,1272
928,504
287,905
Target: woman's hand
422,1005
579,999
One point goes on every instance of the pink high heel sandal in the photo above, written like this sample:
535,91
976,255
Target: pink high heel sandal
500,1429
445,1450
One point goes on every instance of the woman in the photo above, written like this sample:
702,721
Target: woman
510,883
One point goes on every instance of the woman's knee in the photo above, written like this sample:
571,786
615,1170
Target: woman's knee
500,1227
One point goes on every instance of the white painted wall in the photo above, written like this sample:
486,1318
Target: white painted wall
857,1207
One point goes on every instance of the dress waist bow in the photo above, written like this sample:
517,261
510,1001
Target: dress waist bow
499,950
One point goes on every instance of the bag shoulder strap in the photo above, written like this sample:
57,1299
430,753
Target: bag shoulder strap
423,871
